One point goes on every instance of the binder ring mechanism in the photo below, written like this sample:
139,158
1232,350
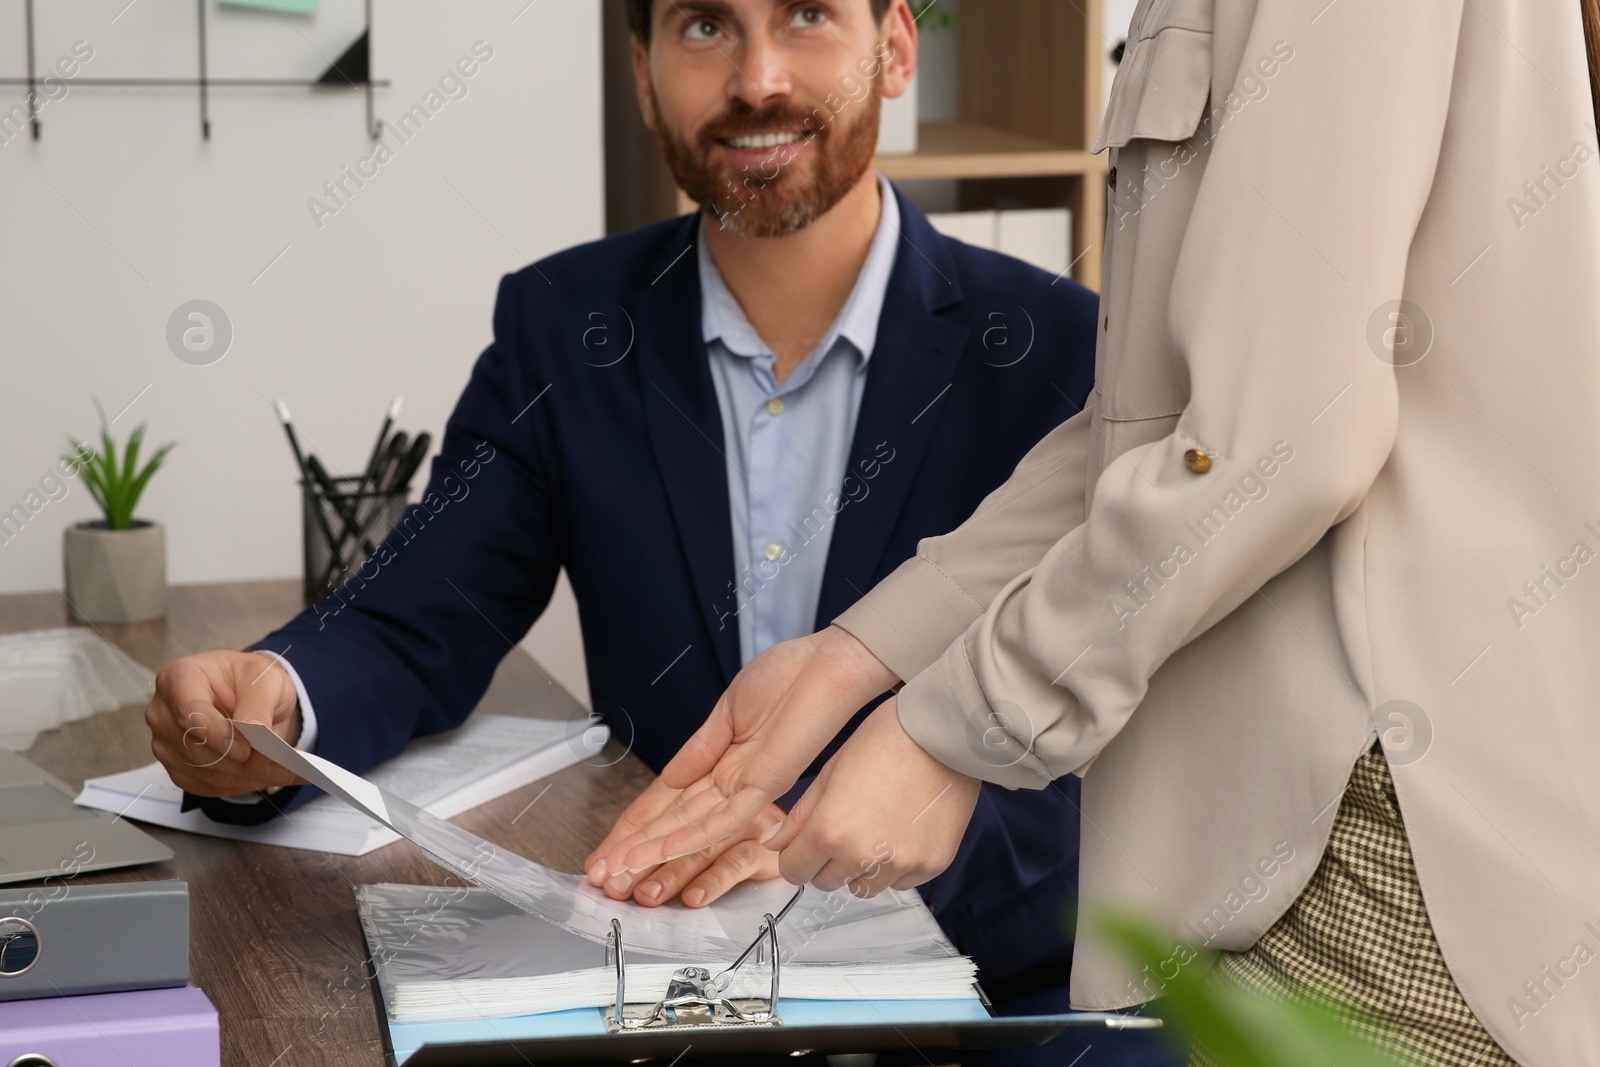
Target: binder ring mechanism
694,999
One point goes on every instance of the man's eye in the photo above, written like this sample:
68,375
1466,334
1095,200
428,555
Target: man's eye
704,29
809,16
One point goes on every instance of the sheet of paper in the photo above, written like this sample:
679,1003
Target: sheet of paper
488,756
567,900
330,777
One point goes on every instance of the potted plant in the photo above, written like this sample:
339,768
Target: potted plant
117,565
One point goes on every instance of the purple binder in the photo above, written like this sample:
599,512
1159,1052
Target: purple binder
145,1028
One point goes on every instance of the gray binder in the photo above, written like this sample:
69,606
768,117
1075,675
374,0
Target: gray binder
68,939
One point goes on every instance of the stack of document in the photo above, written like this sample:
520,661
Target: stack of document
445,775
52,677
447,954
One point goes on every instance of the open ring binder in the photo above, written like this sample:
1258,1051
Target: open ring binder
694,999
709,1012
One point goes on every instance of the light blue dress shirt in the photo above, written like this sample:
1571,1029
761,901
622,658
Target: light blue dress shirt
788,443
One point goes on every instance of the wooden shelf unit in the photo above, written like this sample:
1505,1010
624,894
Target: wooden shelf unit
1029,104
973,150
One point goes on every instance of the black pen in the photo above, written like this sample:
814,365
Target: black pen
394,453
346,507
401,479
294,442
308,480
377,446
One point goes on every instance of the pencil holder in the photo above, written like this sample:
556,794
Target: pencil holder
341,531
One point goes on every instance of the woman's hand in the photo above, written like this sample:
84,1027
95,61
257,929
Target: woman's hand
883,813
778,714
700,877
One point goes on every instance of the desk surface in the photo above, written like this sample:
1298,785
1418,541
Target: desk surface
274,938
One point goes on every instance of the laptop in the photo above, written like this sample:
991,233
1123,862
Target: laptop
44,834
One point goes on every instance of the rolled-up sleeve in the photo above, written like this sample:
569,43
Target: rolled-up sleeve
930,600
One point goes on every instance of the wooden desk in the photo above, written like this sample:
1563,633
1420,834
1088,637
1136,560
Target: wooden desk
274,937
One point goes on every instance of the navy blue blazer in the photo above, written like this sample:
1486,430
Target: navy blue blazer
589,438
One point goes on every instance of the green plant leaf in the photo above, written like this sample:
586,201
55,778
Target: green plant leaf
130,452
1240,1028
82,456
116,486
136,489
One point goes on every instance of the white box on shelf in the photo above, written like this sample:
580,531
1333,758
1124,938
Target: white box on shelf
897,123
1040,236
974,227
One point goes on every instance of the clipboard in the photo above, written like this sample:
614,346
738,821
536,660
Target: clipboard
693,1014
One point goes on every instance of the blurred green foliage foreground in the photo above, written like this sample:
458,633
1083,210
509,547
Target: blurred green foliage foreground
1240,1028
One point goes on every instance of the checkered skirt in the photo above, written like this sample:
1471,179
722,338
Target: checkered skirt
1359,939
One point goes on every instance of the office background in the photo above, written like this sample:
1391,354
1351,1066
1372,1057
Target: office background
121,212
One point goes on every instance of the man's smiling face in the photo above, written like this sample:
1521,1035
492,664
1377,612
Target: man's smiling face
767,109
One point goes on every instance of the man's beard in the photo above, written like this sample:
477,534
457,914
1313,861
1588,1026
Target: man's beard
773,201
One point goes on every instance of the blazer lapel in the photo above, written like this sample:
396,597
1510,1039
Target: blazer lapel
685,428
913,362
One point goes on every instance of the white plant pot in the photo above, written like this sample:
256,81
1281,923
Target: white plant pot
116,576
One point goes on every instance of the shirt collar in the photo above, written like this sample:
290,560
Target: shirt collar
722,318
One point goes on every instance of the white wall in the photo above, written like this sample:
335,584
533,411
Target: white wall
122,212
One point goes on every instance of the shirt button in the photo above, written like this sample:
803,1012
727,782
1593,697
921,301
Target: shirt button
773,551
775,406
1111,178
1197,461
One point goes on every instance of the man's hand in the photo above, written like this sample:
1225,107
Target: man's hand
882,814
778,714
701,877
190,728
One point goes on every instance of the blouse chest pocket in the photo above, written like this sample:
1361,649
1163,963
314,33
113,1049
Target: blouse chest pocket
1164,81
1158,102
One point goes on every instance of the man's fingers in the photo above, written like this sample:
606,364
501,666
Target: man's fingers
262,773
744,862
190,780
257,696
620,886
198,729
224,778
661,884
207,737
706,875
